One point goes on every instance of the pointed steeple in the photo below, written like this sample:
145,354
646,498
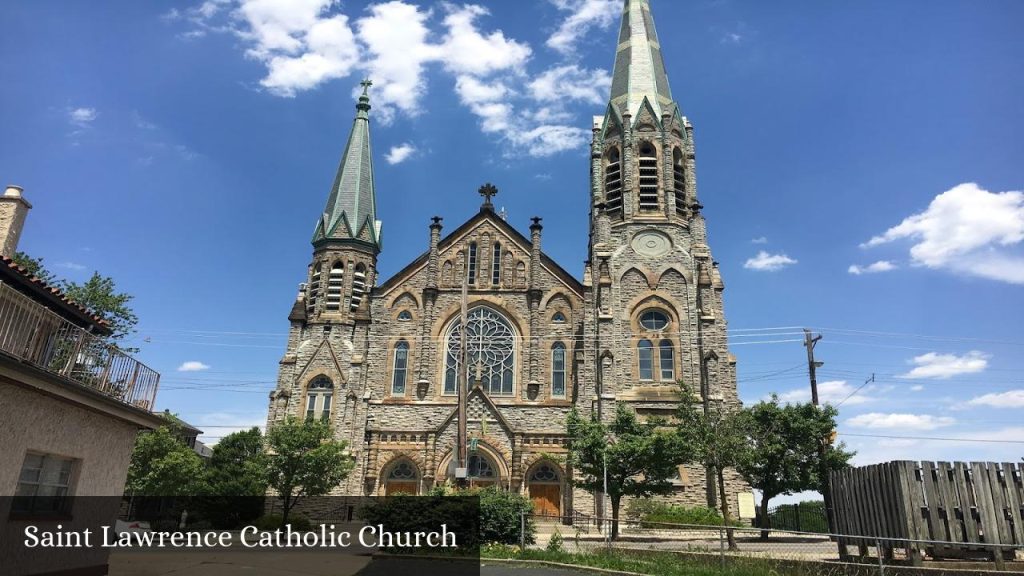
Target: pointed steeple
351,211
639,69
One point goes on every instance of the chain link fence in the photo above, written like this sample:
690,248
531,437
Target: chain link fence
779,550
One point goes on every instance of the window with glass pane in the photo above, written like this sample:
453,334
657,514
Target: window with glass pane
646,353
667,357
471,269
496,265
43,485
401,368
319,394
654,320
558,369
490,348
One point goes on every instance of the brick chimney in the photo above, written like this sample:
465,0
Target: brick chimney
13,209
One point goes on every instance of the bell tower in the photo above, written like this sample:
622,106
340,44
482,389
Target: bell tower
347,238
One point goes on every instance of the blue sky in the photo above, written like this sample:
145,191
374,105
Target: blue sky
186,149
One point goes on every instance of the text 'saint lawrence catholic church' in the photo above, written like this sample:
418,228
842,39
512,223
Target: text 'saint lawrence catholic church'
380,359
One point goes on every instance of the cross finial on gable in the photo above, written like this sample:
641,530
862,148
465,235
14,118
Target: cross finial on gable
488,191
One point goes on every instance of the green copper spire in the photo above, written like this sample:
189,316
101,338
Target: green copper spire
639,69
351,211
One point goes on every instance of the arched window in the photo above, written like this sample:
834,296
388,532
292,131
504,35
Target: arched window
401,368
403,471
666,355
653,320
471,265
358,286
545,474
558,318
334,281
314,288
645,351
319,394
648,178
480,468
558,370
679,180
496,265
404,316
490,350
402,479
613,183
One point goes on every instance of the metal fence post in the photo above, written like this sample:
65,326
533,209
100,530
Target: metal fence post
721,547
522,530
881,560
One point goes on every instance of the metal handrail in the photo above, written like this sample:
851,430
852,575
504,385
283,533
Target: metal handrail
37,335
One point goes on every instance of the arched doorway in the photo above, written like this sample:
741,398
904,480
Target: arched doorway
402,479
545,487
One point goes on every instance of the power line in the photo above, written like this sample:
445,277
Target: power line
986,440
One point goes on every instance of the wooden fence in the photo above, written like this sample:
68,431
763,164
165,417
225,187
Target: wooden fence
971,507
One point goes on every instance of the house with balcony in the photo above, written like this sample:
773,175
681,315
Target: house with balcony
71,406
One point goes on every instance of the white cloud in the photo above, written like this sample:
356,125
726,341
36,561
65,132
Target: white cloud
766,262
400,153
573,83
1008,399
192,366
878,420
966,230
307,43
874,450
759,240
942,366
82,117
584,15
831,392
880,266
916,388
217,425
71,265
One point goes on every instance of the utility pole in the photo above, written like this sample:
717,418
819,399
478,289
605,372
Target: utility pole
823,443
462,381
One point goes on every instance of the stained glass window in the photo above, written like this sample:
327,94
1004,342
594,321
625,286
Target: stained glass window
490,349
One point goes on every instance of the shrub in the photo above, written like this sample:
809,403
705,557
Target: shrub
555,543
501,516
651,512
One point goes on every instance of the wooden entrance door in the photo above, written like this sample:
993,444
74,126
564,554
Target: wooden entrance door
394,487
547,499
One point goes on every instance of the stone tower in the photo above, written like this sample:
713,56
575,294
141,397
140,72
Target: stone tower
321,373
654,293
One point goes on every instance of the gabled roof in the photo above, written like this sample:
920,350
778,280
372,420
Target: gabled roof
21,280
639,68
488,215
351,210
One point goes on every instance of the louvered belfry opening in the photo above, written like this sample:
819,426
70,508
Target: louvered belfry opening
358,287
335,279
648,178
314,289
679,181
613,183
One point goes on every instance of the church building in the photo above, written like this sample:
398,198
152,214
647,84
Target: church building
382,360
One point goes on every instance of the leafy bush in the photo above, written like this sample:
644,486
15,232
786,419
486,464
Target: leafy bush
649,513
501,516
272,522
555,543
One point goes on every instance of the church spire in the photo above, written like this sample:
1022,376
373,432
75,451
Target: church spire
351,211
639,69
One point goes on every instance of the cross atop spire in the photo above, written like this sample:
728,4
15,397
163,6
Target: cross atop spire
639,68
366,83
488,191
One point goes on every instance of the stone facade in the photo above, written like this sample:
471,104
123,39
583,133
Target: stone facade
381,363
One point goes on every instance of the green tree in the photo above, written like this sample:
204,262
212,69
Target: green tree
717,441
639,457
34,266
304,460
236,477
163,465
99,294
783,445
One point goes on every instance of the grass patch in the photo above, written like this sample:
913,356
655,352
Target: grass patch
655,563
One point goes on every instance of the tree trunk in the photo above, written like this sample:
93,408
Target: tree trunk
766,522
729,532
615,516
287,504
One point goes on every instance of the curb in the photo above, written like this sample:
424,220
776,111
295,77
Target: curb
575,567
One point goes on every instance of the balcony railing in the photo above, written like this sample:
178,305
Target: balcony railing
35,334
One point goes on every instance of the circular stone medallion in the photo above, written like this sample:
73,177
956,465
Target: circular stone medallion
651,243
